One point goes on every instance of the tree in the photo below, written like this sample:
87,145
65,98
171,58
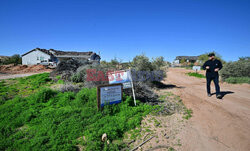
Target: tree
204,57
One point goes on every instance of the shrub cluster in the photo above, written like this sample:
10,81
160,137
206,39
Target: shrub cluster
15,59
235,80
240,68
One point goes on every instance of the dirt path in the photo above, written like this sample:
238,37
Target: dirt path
11,76
216,125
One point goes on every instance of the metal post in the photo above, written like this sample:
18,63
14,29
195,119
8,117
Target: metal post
132,86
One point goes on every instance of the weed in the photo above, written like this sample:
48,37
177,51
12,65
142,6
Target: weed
194,74
171,149
187,114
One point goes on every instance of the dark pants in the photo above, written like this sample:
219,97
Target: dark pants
216,83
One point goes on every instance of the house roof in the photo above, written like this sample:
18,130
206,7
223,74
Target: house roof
58,53
42,50
187,57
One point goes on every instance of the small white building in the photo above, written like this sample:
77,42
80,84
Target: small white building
52,57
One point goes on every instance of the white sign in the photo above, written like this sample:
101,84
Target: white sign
122,76
196,68
110,95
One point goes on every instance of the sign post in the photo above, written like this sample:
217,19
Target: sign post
133,91
196,68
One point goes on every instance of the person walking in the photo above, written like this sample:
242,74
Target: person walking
212,66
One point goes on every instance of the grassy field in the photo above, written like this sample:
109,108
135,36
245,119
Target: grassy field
35,117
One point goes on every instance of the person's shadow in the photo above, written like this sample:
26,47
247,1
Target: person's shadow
223,93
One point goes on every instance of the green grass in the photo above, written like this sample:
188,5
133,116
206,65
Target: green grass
194,74
238,80
52,120
23,86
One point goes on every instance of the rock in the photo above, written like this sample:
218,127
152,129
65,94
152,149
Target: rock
167,137
104,137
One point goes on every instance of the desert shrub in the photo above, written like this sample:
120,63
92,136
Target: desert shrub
239,80
143,63
143,92
158,63
66,68
52,120
100,74
69,87
240,68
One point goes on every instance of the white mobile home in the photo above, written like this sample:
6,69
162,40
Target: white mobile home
51,56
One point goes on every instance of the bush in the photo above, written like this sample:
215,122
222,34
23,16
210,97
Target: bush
66,68
15,59
143,92
81,75
69,87
236,80
143,63
240,68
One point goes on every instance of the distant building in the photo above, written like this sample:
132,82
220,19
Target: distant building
189,59
53,57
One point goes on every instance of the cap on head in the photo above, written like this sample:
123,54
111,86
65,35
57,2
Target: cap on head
211,54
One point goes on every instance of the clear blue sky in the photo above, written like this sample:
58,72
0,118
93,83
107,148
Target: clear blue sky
125,28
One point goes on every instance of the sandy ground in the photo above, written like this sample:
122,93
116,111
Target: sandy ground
216,125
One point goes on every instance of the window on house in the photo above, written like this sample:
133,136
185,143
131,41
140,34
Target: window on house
41,58
37,58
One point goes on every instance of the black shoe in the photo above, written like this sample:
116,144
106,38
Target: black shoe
209,95
219,96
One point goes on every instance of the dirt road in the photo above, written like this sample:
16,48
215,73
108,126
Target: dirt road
216,125
11,76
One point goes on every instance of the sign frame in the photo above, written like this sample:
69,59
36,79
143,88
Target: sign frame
99,92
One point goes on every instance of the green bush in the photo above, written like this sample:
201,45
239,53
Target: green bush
52,120
240,68
236,80
15,59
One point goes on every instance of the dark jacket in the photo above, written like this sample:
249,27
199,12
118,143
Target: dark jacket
212,65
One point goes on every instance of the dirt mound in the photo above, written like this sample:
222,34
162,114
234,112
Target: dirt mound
12,69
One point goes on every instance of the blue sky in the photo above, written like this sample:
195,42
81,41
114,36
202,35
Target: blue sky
125,28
